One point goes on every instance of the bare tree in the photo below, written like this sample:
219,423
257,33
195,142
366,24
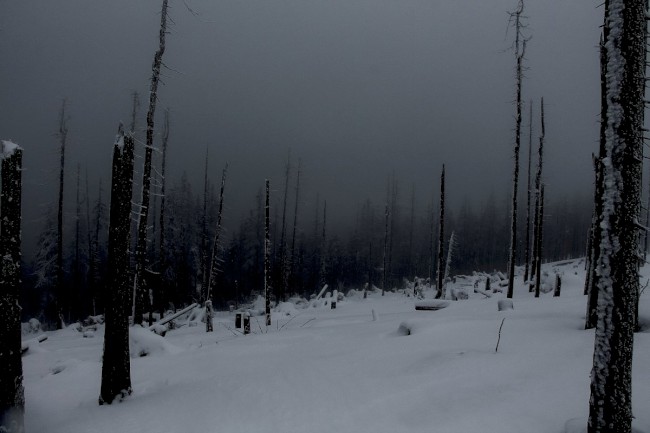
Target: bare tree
530,152
214,257
441,235
140,289
520,51
12,394
292,255
161,225
624,36
267,258
386,236
61,297
282,285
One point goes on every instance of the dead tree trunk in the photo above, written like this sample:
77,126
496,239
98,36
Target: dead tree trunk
116,367
520,50
140,289
384,270
62,298
162,294
205,267
267,258
214,257
12,395
625,36
441,236
282,286
530,151
540,237
292,255
538,187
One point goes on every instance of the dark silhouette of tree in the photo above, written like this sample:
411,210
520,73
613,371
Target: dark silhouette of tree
116,367
140,289
441,236
520,51
12,396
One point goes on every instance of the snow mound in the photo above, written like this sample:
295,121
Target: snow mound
143,342
286,309
33,326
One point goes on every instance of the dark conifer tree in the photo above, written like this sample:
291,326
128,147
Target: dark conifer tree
441,236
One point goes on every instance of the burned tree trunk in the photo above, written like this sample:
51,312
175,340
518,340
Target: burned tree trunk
12,395
116,367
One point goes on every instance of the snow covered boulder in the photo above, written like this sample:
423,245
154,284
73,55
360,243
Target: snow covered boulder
505,304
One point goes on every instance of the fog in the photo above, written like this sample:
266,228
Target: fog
357,89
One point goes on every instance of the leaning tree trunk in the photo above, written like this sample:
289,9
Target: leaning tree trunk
12,396
140,290
625,31
116,367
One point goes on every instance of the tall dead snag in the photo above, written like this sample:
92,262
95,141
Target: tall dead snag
385,265
292,255
282,284
205,277
624,34
520,50
12,395
61,302
441,236
267,258
539,235
161,225
539,207
116,367
140,289
530,154
214,257
537,221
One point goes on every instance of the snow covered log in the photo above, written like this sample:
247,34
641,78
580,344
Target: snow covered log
171,317
24,346
431,305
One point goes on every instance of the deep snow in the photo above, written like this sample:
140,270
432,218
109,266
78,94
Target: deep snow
323,370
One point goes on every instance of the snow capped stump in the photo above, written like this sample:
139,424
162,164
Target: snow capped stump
505,304
431,305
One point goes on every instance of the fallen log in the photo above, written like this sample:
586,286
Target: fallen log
171,317
24,346
431,305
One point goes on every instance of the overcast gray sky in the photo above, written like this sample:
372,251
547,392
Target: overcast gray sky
356,88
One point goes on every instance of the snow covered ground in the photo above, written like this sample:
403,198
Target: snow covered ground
323,370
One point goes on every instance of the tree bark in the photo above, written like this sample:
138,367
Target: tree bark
610,403
116,367
12,396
